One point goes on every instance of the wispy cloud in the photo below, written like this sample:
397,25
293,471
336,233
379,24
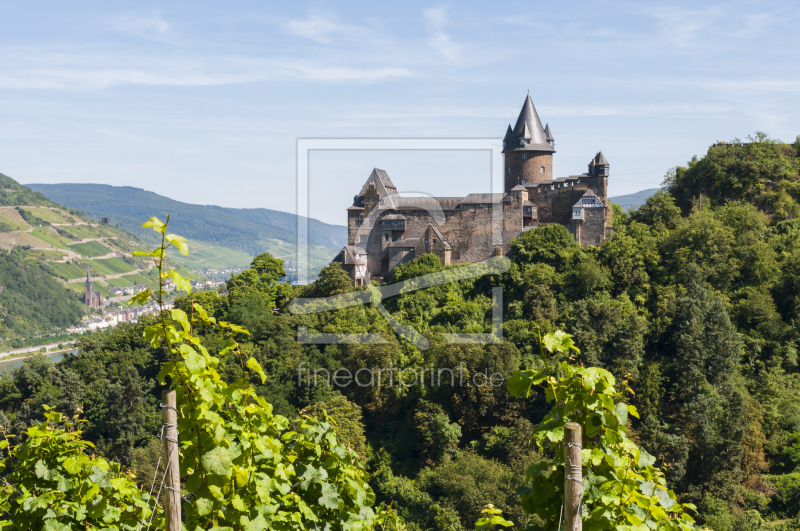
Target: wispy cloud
321,27
436,19
148,26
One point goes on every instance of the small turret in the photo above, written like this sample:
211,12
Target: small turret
549,135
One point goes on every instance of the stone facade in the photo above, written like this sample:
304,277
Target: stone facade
386,229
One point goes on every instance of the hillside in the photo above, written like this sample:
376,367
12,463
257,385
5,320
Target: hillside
46,250
634,200
12,194
246,230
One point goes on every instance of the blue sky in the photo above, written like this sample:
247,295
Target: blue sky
203,101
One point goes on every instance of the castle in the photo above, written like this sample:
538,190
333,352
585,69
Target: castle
385,229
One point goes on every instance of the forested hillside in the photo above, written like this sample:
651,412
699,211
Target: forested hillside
31,300
698,311
12,193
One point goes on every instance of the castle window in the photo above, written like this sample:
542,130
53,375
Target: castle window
524,156
362,239
377,239
456,255
381,201
521,142
426,242
552,187
524,181
541,169
362,201
386,236
591,212
509,169
359,221
480,205
434,240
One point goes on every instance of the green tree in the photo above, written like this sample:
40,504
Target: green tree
348,421
549,244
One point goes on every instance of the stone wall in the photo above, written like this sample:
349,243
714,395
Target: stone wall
527,166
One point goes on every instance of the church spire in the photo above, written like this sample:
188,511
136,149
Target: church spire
88,279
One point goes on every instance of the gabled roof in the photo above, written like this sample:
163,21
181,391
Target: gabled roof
519,188
441,238
383,185
600,159
351,254
589,200
529,129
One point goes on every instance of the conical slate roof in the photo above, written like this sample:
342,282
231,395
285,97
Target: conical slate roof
600,159
509,134
528,129
547,134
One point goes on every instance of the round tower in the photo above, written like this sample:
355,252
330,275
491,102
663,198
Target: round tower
528,149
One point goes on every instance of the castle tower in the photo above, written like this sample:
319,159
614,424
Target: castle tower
528,149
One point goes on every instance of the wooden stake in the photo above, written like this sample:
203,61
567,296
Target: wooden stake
573,476
172,505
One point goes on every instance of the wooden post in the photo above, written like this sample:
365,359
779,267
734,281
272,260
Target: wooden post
573,476
172,505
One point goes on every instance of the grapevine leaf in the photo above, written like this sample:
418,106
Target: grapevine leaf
204,506
179,242
217,461
329,498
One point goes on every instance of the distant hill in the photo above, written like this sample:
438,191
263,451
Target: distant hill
251,230
633,200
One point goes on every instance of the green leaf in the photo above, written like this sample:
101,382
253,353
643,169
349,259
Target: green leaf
179,242
180,282
41,469
621,412
195,363
155,224
330,497
203,506
253,365
141,297
217,461
559,341
520,383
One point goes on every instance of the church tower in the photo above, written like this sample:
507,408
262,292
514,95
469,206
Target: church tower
90,297
528,149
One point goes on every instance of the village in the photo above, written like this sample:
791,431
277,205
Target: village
111,316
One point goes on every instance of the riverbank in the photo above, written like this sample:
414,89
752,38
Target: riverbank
32,351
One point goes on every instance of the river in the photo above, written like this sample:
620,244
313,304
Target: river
14,363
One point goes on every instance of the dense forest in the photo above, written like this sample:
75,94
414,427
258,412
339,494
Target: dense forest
696,309
31,300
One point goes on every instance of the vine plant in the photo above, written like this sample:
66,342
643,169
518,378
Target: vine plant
246,467
622,488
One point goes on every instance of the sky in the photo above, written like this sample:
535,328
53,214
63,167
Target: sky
204,102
